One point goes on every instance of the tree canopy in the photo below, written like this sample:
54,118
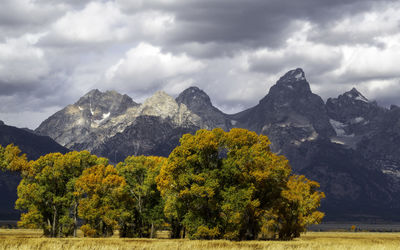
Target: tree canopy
230,185
143,207
46,192
214,185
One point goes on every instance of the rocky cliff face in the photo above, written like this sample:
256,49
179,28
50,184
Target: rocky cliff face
348,144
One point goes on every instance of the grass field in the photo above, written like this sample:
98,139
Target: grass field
32,239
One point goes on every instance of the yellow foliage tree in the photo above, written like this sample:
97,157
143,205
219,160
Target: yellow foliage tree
46,192
230,185
99,190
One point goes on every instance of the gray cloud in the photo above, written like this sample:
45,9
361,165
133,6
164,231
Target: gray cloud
254,24
52,52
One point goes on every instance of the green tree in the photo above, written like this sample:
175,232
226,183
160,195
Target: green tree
100,190
229,185
143,210
46,192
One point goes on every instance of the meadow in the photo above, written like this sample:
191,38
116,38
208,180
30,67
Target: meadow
32,239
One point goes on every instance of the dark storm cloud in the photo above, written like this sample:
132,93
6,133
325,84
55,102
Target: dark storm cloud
253,23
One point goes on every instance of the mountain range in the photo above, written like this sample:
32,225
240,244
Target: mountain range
348,144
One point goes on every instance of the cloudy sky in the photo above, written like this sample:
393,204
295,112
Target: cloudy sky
54,51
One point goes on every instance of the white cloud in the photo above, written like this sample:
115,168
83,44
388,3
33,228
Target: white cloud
21,63
145,68
97,22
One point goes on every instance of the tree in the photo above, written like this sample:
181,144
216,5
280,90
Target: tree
229,185
143,211
189,183
99,189
46,192
298,208
11,158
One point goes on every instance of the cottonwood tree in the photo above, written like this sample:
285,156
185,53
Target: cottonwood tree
229,185
298,207
11,159
142,210
100,189
46,192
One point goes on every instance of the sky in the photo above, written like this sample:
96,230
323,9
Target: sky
54,51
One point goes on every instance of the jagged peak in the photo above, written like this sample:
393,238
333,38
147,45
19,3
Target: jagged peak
293,83
294,80
159,97
96,94
1,123
356,95
194,94
92,93
294,75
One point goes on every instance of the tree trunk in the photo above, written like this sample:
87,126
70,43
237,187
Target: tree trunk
176,229
152,230
183,232
53,230
75,218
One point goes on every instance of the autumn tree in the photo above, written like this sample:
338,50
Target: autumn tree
229,185
46,192
142,210
190,184
12,159
298,207
100,190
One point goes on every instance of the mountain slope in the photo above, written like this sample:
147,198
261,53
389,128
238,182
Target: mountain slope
31,144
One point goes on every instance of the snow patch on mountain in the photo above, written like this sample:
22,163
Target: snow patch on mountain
338,127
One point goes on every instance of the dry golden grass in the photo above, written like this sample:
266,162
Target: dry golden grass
32,239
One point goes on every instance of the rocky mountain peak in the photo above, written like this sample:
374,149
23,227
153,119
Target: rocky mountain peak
294,81
198,102
99,104
159,98
1,123
354,94
194,97
352,115
294,75
164,106
351,104
289,90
